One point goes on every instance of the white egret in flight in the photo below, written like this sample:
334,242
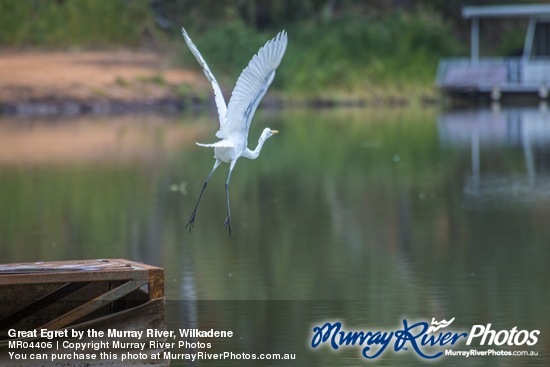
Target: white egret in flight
235,118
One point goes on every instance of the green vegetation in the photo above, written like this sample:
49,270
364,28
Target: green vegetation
349,54
337,48
81,23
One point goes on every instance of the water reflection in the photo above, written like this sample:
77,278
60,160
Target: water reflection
366,216
491,132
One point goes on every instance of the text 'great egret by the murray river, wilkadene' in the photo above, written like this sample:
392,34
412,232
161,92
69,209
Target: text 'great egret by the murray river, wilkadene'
235,117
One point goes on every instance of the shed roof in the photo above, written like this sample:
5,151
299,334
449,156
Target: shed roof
495,11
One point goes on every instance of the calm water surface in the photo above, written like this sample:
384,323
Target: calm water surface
360,216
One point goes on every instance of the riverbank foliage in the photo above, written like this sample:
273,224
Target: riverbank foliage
76,24
335,46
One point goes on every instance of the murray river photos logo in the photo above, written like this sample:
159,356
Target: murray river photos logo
426,340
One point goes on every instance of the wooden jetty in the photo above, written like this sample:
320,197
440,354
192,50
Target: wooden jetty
81,295
527,75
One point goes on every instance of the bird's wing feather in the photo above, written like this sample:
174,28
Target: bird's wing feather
252,85
218,96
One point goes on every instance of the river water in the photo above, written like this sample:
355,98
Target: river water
364,216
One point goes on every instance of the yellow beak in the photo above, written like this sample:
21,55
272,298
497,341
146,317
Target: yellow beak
274,132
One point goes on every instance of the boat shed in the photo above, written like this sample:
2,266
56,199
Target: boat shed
498,77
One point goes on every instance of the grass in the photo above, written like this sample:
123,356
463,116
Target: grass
82,23
156,79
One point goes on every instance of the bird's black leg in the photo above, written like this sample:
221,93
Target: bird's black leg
191,222
228,218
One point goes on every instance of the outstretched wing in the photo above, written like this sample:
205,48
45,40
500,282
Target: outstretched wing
218,96
252,85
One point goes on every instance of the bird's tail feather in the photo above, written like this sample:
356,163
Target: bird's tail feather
218,144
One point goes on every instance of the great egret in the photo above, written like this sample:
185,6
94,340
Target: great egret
235,118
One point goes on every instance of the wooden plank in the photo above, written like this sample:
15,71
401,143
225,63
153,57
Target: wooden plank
76,277
93,305
150,315
72,265
156,283
39,304
81,271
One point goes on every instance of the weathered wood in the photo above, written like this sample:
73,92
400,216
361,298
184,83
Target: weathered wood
93,305
149,315
87,294
60,293
39,304
85,271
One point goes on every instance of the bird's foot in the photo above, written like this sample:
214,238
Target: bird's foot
191,222
228,224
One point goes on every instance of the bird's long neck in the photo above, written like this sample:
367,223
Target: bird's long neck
253,154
